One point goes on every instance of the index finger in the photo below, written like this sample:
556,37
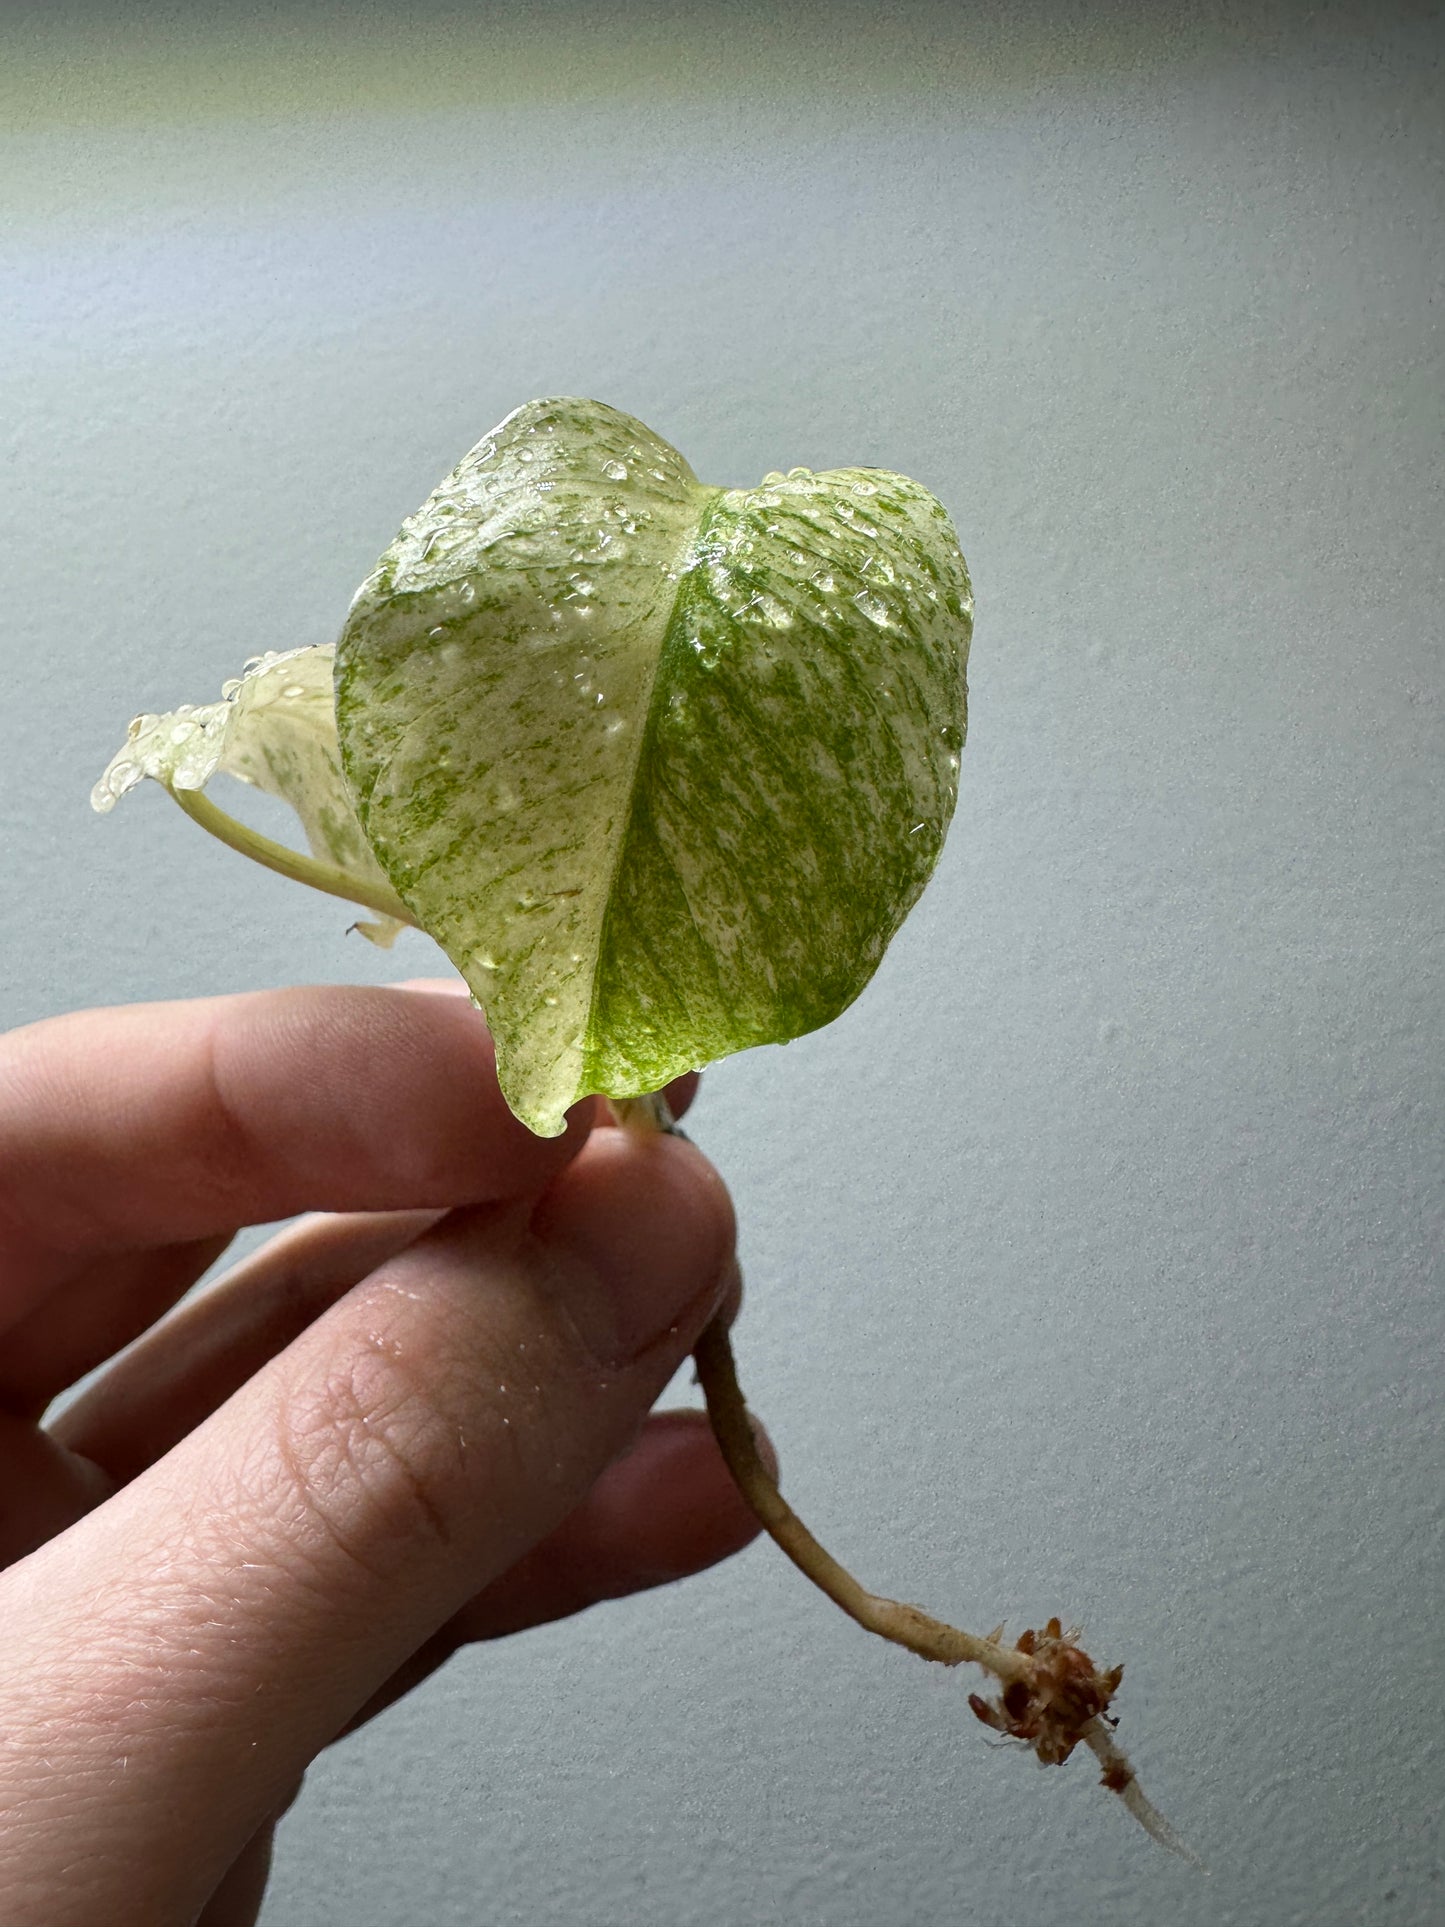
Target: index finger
158,1124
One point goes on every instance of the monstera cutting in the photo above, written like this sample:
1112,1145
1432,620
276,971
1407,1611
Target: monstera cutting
662,767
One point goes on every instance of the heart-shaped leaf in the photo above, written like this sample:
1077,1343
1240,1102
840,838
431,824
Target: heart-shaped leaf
662,767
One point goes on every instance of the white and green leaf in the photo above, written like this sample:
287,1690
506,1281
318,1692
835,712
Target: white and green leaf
274,728
662,767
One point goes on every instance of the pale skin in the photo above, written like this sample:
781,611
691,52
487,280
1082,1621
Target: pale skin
419,1418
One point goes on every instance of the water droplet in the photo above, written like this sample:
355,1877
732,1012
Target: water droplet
865,488
773,612
826,582
877,612
435,635
292,691
182,732
120,779
551,1002
484,960
800,474
467,593
615,471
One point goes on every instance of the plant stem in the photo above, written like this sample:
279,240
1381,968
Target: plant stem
335,881
1065,1697
905,1625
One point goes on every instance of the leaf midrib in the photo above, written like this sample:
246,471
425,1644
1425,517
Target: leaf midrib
687,548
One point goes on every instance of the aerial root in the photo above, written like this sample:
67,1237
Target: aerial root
1053,1696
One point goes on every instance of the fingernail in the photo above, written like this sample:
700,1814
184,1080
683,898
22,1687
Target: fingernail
644,1235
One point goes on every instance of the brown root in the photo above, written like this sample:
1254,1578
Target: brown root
1055,1703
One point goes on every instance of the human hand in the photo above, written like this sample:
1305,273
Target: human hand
416,1421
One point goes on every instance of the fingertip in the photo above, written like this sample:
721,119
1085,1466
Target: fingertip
670,1508
731,1301
681,1092
651,1222
767,1451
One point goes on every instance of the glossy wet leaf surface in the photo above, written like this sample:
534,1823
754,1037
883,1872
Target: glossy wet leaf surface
662,767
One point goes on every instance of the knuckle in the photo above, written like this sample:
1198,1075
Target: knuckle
376,1465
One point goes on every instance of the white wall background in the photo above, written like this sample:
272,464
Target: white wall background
1095,1255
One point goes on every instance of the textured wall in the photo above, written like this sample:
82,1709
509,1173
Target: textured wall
1094,1256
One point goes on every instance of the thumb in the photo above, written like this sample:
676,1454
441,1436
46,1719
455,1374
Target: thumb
178,1657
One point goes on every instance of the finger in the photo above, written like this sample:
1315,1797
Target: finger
191,1363
43,1488
237,1900
218,1620
667,1510
160,1124
106,1305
